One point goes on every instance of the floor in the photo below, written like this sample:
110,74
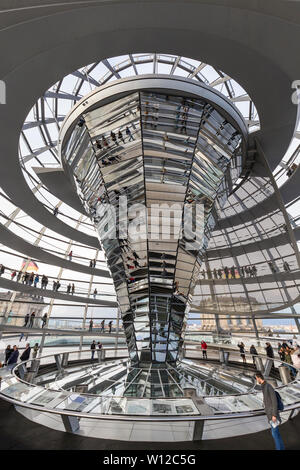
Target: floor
18,433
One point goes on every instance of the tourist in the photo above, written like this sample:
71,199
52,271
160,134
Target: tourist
271,409
35,350
113,137
253,352
102,326
13,275
280,351
8,352
70,255
110,326
91,325
269,350
120,136
31,278
288,359
80,122
44,281
2,269
241,347
93,348
95,293
13,358
295,356
226,271
36,280
73,289
272,267
26,353
26,319
44,320
204,349
128,133
32,317
55,211
286,267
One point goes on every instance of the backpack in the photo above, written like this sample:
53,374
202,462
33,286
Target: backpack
280,405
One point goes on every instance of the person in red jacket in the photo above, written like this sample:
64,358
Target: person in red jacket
204,348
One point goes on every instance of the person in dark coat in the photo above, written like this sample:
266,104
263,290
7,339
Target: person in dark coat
32,317
26,353
271,409
269,350
8,352
241,347
13,358
26,319
253,352
93,349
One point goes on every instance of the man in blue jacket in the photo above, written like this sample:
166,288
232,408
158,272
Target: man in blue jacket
13,358
271,409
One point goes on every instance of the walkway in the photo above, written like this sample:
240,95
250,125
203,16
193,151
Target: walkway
17,433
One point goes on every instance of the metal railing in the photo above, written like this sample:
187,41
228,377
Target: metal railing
290,395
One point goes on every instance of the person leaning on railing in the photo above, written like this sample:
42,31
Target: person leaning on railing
295,356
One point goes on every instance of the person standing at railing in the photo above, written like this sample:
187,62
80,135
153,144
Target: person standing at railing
26,353
26,319
271,409
288,359
95,293
13,275
35,350
102,326
93,348
44,281
110,326
269,350
241,347
295,356
70,255
8,352
91,325
32,317
72,289
204,349
36,280
31,278
44,320
13,358
280,351
2,269
254,353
